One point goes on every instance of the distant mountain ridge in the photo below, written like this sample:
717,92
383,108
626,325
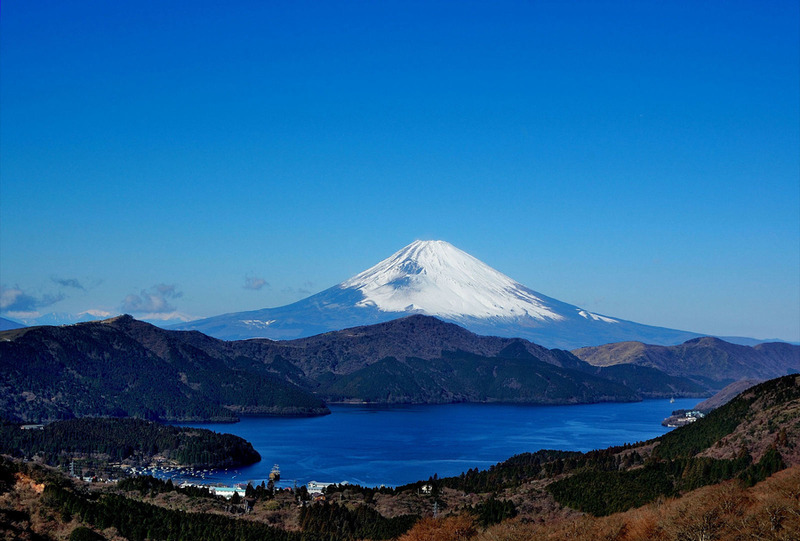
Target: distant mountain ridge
125,367
435,278
726,395
705,357
7,324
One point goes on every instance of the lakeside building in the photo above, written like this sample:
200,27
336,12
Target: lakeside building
226,492
315,487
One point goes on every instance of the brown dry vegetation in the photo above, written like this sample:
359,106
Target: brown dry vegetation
728,511
769,511
450,528
763,426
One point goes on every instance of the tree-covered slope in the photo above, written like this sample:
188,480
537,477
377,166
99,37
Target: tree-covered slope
466,377
423,337
649,382
751,437
122,367
127,439
125,367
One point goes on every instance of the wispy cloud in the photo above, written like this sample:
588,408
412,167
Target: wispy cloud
155,300
306,289
14,299
95,312
254,283
68,282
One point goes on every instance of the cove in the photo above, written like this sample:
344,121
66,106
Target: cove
395,445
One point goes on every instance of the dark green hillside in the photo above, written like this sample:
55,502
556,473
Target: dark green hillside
387,381
333,521
51,373
139,521
124,367
510,473
650,382
419,336
101,369
751,437
465,377
763,400
754,436
124,439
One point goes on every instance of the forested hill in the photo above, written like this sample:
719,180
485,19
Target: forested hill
102,369
121,440
719,478
421,359
123,367
749,438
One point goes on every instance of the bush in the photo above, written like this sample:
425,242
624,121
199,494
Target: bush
82,533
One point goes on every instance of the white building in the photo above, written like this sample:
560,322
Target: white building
316,486
227,492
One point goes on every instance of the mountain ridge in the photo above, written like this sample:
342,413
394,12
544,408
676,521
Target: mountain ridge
125,367
9,324
705,357
436,278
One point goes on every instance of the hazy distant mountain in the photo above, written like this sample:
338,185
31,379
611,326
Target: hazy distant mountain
7,324
437,279
705,357
726,394
62,318
69,318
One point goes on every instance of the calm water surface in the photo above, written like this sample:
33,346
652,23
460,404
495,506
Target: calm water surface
374,445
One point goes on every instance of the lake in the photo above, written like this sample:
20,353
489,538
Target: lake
395,445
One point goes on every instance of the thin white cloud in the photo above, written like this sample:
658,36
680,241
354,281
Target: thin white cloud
169,316
14,299
155,300
254,283
306,289
69,282
96,313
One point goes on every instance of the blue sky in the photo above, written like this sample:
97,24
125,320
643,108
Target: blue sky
638,159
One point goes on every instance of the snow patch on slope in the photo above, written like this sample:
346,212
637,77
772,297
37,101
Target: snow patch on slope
436,278
257,323
589,315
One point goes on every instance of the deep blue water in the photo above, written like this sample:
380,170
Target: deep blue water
374,445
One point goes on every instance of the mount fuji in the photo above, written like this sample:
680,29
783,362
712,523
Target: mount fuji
437,279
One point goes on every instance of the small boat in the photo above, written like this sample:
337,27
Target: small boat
672,400
275,474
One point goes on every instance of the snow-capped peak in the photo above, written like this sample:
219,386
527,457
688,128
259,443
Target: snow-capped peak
436,278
